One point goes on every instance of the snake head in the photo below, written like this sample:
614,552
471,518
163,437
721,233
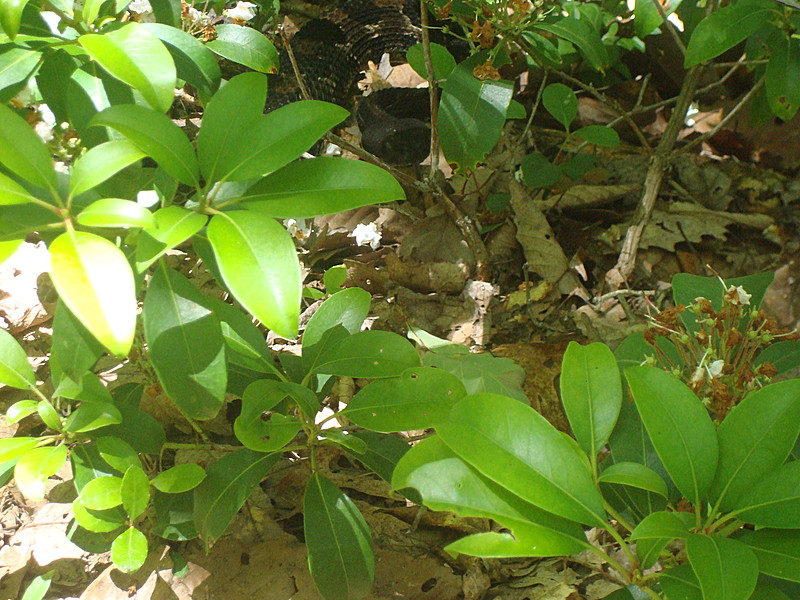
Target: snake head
400,142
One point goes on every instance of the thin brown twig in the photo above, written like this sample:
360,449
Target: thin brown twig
433,89
295,67
666,23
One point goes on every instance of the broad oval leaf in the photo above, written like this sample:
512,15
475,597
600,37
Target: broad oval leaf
10,16
446,482
680,583
98,521
635,475
258,261
581,33
180,478
135,491
102,492
258,428
49,415
777,551
15,370
118,453
514,446
599,135
93,278
480,372
155,135
137,57
129,550
774,500
323,186
780,79
92,415
115,212
246,46
34,467
19,410
561,102
663,524
100,163
24,152
12,193
347,308
74,349
338,541
368,354
443,61
11,448
725,568
538,171
418,399
679,427
591,391
173,225
755,438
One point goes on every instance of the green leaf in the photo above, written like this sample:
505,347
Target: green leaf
725,568
39,586
134,55
591,391
227,485
15,370
49,415
258,428
581,33
173,225
19,410
34,468
345,440
472,113
74,349
347,308
100,163
139,429
679,427
781,82
135,491
338,541
443,61
155,135
538,171
663,524
480,372
93,278
382,454
777,551
102,493
8,248
647,18
323,186
514,446
180,478
11,448
755,438
258,261
16,64
186,346
246,46
418,399
634,475
10,16
368,354
599,135
680,583
24,152
194,63
765,590
92,415
561,102
118,453
174,516
726,27
114,212
781,355
773,500
448,483
129,550
229,120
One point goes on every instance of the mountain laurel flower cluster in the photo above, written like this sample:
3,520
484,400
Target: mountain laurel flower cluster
716,354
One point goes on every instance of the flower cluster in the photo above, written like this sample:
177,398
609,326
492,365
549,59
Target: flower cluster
717,356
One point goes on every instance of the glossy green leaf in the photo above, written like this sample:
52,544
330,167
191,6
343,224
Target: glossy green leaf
345,440
514,446
383,452
591,391
773,500
19,410
755,438
92,415
93,278
117,453
10,16
49,415
647,18
24,152
101,163
129,550
663,524
323,186
347,309
227,485
472,113
11,448
246,46
180,478
229,120
679,427
777,551
16,64
34,468
155,135
680,583
726,27
258,261
448,483
194,63
102,493
583,35
599,135
74,349
781,82
114,212
725,568
15,370
135,491
538,171
8,248
561,102
258,428
443,61
173,225
420,398
174,516
39,586
186,346
338,541
543,48
480,372
368,354
766,590
635,475
137,57
781,355
139,429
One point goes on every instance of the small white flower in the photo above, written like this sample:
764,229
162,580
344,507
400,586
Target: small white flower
140,6
243,11
196,17
367,234
715,368
147,198
297,228
742,297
